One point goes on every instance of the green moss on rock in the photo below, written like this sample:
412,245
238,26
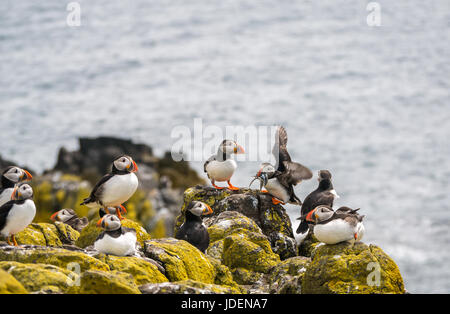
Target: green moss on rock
346,268
180,259
9,284
90,233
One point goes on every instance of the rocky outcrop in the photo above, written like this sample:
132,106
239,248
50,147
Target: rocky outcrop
346,268
186,287
272,220
9,284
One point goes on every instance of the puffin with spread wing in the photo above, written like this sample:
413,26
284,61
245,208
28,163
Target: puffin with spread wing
279,181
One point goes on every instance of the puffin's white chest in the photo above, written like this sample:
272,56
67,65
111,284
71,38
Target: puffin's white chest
123,245
276,189
119,189
19,217
334,231
221,170
6,196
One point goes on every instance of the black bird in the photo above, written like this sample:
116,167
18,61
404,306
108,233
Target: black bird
323,195
279,181
193,230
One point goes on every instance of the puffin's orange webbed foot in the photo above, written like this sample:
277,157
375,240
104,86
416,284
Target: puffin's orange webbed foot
8,240
14,240
217,187
276,201
118,213
231,187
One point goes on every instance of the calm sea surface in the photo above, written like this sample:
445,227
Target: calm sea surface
371,104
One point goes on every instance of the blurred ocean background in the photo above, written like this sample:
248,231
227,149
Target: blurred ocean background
371,104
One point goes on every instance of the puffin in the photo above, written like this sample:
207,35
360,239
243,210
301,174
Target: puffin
333,227
220,167
116,187
347,210
69,217
193,230
115,239
18,213
279,181
323,195
9,178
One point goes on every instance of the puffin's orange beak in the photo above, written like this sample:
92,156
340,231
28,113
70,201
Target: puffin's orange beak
99,223
259,173
53,217
135,167
13,195
239,150
310,215
26,175
210,211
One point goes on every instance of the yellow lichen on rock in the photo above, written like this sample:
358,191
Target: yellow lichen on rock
346,268
36,277
187,287
54,256
10,285
101,282
142,271
181,260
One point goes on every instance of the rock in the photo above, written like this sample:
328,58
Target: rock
187,287
100,282
346,268
142,270
63,258
181,260
287,276
90,233
272,219
223,275
66,233
9,284
38,277
49,235
238,242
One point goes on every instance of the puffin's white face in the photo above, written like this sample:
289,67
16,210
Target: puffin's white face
16,174
125,163
109,222
63,215
322,213
22,192
231,147
200,208
266,168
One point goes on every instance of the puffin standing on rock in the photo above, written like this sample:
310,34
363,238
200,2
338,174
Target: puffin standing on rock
280,181
112,211
332,227
10,177
18,213
193,230
115,239
116,187
323,195
220,167
69,217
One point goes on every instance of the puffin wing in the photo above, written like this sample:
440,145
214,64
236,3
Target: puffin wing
97,190
4,211
212,158
280,150
294,173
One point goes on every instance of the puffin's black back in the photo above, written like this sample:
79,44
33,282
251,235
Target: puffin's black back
194,232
